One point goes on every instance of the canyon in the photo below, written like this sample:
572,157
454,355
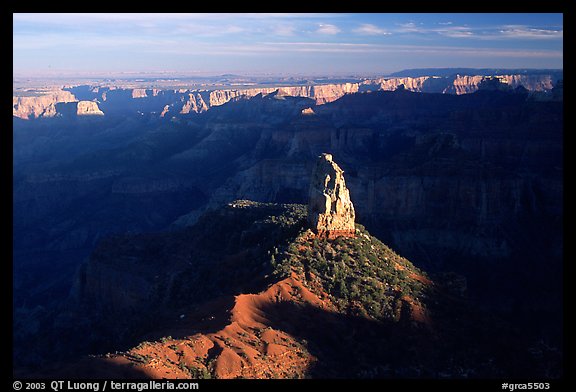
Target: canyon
272,299
467,185
166,102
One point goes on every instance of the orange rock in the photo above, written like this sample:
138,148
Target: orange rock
330,210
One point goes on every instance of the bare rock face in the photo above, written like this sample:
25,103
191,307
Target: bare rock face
43,105
165,111
139,93
330,210
88,108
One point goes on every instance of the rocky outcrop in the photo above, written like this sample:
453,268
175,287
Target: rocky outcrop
320,93
330,210
530,82
88,108
325,93
391,84
188,101
139,93
194,103
464,84
40,106
400,178
467,183
458,84
328,93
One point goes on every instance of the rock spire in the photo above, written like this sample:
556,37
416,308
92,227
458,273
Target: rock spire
330,210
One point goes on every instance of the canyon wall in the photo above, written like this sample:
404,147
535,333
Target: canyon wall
469,183
168,102
40,106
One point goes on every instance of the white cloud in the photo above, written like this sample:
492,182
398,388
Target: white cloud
328,29
525,32
455,32
409,27
370,29
447,29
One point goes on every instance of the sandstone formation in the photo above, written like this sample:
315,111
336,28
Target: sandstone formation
471,184
41,105
391,84
231,332
139,93
194,103
320,93
88,108
165,110
459,84
115,99
330,210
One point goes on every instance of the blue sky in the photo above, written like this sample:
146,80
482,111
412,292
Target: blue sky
281,44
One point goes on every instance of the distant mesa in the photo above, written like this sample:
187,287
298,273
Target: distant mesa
42,104
330,210
139,93
308,111
75,109
88,108
183,101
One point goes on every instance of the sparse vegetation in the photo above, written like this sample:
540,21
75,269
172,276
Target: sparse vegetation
138,358
194,372
362,275
142,345
255,234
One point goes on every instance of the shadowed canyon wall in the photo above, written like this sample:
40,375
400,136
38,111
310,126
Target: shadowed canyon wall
468,183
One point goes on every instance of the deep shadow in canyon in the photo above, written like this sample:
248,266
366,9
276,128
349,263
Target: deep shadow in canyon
469,184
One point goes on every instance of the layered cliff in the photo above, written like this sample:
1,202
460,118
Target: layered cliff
185,101
406,153
88,108
43,105
457,84
330,210
202,100
470,183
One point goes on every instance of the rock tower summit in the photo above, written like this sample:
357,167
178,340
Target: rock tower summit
330,210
